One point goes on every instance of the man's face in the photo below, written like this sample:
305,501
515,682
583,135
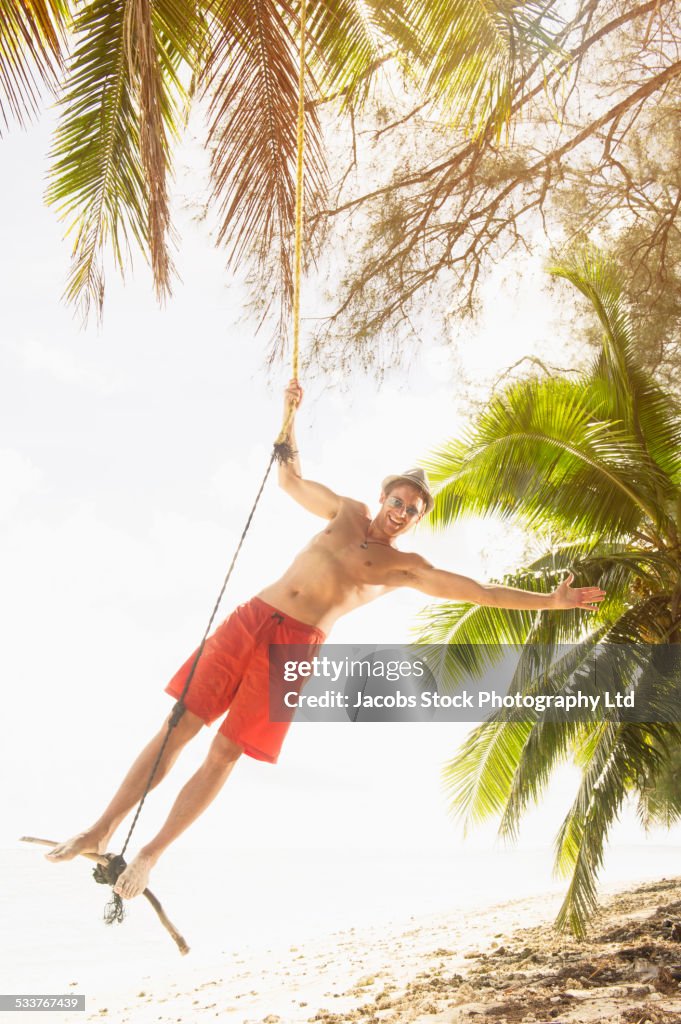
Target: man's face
400,509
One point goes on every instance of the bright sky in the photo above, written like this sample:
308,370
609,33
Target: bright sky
129,458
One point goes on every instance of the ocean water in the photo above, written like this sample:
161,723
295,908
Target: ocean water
234,905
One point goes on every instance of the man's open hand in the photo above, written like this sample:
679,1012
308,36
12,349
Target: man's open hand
587,598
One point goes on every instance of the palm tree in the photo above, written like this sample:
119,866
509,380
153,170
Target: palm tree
595,462
135,64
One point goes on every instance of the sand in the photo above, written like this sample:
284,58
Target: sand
502,965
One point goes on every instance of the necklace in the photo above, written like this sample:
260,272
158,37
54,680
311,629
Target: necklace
366,542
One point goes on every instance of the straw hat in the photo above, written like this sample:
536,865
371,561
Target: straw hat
417,478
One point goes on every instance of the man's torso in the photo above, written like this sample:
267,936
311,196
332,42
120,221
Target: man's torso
336,573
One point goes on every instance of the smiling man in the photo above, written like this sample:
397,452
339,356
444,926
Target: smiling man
354,560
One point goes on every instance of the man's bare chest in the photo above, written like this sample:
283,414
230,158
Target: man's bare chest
360,560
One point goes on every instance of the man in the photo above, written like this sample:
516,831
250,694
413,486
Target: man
352,561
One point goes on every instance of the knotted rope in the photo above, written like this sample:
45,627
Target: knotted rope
282,446
108,874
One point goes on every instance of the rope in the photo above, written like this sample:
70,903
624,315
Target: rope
114,911
108,874
284,452
281,451
179,709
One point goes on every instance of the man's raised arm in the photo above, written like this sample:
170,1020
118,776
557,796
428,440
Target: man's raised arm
452,587
314,497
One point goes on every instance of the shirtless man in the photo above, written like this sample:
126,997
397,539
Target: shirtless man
351,562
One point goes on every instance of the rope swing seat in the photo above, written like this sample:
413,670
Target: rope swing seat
110,866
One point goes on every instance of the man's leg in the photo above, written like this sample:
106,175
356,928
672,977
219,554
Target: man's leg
96,838
192,800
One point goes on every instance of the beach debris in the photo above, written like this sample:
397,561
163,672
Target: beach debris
666,982
644,970
673,929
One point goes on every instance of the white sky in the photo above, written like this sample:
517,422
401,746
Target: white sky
128,458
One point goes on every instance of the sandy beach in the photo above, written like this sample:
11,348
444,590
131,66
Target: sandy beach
504,964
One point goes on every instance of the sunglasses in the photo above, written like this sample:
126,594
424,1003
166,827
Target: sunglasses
396,502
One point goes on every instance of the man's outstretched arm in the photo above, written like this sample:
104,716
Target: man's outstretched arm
452,587
316,498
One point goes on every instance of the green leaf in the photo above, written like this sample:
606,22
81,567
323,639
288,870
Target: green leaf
472,52
479,779
32,36
110,155
542,453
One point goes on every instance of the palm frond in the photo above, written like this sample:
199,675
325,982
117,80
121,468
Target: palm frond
597,278
97,178
479,779
507,761
619,566
642,622
471,52
659,791
581,839
463,624
656,688
162,41
463,56
616,758
32,34
659,415
541,453
619,755
253,82
143,59
547,744
347,44
653,413
596,665
631,393
110,157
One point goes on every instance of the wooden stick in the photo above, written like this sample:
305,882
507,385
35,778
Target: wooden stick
104,858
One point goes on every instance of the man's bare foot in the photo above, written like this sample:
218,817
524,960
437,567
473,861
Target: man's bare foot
84,842
134,879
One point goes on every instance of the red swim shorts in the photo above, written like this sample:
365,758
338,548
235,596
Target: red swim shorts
233,673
